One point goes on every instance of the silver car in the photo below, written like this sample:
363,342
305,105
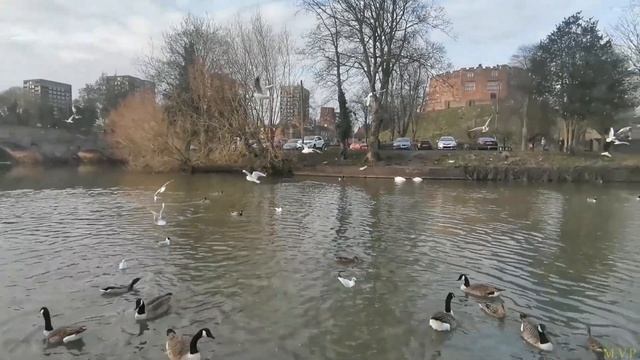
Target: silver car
292,144
447,142
402,144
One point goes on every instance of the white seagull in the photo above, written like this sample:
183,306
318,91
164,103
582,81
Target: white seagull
73,115
399,179
161,190
363,168
307,150
484,128
370,96
157,217
612,139
278,210
254,176
348,283
167,241
259,93
123,265
417,179
592,199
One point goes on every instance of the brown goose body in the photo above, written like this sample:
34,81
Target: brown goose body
494,310
593,344
480,290
534,335
183,347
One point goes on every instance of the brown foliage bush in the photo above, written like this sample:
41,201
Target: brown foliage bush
137,132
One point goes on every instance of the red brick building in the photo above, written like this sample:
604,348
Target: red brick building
327,117
469,87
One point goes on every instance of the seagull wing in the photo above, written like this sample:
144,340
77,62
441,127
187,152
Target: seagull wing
611,134
257,174
161,210
487,123
246,172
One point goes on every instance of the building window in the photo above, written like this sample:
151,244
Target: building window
494,73
469,86
493,86
470,75
493,96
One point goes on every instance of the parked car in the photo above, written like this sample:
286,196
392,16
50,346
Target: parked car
487,143
425,145
314,142
447,142
292,144
359,146
402,144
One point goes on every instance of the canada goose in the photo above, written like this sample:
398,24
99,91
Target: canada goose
181,348
481,290
592,199
166,241
345,260
118,290
593,344
236,213
444,321
161,190
399,179
417,179
153,308
348,283
534,335
254,176
495,310
61,335
122,265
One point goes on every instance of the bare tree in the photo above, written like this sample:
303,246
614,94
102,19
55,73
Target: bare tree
522,59
378,35
626,33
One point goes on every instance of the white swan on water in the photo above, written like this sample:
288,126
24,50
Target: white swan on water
399,179
417,179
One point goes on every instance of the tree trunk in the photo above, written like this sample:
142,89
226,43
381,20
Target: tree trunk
374,147
523,139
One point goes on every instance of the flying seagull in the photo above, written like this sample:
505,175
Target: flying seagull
73,116
484,128
612,139
157,217
254,176
259,93
161,190
370,96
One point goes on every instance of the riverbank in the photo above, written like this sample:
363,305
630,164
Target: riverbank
476,166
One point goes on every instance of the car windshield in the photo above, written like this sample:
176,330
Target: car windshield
307,138
446,138
402,140
293,141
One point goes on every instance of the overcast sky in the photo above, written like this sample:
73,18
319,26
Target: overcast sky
74,41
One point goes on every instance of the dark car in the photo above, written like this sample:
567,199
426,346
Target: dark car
487,143
425,145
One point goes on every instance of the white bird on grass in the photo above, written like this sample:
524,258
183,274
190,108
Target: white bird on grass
157,217
363,168
123,265
399,179
484,128
348,283
417,179
166,241
161,190
307,150
254,176
259,93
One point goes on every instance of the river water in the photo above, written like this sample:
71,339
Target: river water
265,283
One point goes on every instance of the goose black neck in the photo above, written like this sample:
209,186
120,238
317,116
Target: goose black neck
588,330
466,281
193,346
141,309
447,303
133,282
47,320
543,337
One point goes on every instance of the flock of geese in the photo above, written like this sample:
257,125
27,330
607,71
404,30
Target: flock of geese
185,348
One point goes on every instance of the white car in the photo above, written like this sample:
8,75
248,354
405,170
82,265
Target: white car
447,142
314,142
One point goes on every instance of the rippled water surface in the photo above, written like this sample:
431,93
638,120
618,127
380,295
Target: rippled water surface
265,283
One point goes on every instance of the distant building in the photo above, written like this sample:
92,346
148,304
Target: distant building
292,102
127,84
54,93
469,87
327,117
